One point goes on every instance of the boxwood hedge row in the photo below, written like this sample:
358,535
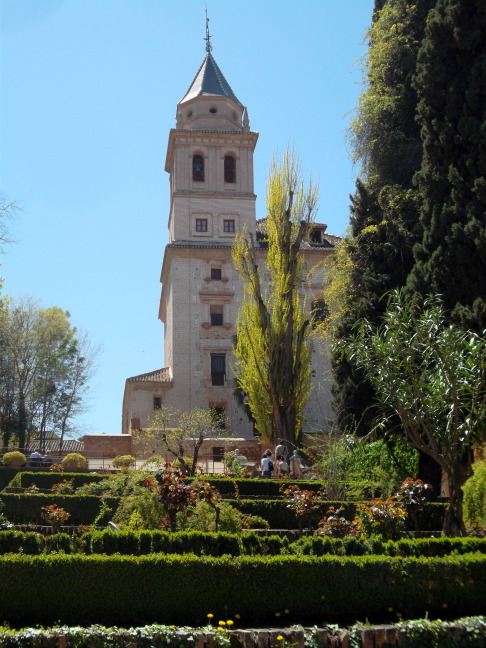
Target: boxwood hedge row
227,487
175,589
83,509
26,509
46,479
218,544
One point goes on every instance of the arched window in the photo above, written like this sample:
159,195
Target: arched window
229,168
198,168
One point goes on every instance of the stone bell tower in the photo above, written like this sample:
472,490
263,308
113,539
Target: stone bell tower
210,165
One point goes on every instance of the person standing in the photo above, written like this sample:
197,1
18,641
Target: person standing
267,465
282,450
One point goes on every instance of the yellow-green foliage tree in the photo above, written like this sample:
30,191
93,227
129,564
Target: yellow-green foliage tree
272,347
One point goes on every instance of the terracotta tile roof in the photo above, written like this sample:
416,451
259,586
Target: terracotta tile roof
327,240
157,376
53,446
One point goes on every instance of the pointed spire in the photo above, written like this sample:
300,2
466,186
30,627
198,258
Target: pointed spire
209,80
209,47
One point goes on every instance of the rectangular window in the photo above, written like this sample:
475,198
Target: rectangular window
216,313
157,402
229,226
219,413
215,273
201,224
218,368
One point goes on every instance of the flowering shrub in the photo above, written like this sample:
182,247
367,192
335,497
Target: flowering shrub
303,502
380,517
412,492
175,495
55,516
63,488
335,525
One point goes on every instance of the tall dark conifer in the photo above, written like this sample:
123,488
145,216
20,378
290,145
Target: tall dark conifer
451,87
384,211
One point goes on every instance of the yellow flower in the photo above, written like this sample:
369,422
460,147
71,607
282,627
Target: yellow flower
237,616
277,613
229,622
286,611
279,638
222,623
210,616
390,609
220,629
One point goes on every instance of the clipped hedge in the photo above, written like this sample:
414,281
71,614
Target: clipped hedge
83,509
279,516
218,544
256,487
25,509
7,474
175,589
46,479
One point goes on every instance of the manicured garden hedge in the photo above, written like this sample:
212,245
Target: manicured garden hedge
257,487
218,544
6,475
127,590
46,479
227,487
27,509
279,516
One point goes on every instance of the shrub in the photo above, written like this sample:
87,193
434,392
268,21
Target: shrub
14,459
124,461
475,495
55,515
182,589
46,480
74,461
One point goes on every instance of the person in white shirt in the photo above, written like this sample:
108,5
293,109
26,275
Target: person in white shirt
266,465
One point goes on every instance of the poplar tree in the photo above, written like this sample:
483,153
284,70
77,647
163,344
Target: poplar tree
272,344
451,88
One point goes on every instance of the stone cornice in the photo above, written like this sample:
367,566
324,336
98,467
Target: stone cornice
211,138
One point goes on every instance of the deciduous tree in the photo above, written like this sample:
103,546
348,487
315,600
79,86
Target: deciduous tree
272,348
182,434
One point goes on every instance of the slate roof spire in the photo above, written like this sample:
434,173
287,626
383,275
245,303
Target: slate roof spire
209,80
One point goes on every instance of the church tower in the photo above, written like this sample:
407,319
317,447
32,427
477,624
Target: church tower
210,162
210,165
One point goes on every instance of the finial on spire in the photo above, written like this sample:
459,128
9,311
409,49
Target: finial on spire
209,47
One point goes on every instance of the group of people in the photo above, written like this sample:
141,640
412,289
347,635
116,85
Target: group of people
282,465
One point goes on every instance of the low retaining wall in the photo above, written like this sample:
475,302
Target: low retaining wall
382,636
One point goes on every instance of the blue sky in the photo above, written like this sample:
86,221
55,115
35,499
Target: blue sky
88,94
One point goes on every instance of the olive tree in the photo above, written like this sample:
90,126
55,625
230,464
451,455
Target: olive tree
432,376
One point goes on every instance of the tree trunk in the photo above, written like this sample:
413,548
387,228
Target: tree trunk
453,520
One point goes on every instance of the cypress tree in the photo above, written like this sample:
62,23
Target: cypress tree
451,88
384,224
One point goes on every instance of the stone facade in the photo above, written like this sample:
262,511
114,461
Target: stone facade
210,164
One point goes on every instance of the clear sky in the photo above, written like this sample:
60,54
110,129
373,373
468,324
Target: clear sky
88,94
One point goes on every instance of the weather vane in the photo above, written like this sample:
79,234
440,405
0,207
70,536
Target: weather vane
209,47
